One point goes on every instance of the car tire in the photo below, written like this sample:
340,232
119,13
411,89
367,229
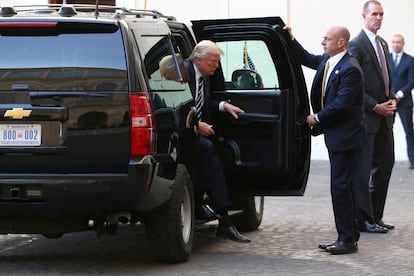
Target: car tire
170,231
252,213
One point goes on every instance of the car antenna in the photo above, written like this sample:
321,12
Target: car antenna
97,9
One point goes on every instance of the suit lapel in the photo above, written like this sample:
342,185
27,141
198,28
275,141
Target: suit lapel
319,72
371,50
332,76
335,72
403,60
189,68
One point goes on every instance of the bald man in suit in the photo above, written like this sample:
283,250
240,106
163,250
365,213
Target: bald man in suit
337,103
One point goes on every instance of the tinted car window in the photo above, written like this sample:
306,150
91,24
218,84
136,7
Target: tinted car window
166,93
53,62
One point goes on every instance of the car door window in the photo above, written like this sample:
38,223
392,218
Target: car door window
246,66
165,93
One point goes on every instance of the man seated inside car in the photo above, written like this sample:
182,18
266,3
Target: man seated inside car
209,175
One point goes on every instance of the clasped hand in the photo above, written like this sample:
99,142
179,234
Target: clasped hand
387,108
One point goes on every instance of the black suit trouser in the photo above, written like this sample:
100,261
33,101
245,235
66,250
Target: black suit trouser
381,155
343,168
361,188
210,175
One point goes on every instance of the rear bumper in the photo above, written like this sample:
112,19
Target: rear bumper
141,190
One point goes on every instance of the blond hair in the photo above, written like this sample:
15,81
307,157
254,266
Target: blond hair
204,48
167,64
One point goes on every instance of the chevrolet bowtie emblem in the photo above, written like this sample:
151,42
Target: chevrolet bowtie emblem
17,113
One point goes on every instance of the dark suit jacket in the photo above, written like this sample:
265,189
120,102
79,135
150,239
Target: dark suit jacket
341,119
403,79
361,48
208,174
210,107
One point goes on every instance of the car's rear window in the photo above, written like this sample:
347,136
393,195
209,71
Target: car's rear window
63,61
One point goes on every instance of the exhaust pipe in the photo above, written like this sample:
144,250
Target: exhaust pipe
122,217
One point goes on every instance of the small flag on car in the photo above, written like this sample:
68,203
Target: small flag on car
247,61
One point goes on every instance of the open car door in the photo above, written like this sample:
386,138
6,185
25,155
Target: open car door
266,151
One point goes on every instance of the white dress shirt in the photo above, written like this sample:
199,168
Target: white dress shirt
197,76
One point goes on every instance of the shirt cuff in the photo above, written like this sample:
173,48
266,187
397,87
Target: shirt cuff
399,94
316,118
221,106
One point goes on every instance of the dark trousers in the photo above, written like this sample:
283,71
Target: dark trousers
381,157
406,116
210,175
343,168
361,188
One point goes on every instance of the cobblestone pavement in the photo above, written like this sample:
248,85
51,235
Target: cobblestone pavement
285,244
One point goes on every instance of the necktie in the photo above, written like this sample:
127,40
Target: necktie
325,75
395,60
383,65
200,97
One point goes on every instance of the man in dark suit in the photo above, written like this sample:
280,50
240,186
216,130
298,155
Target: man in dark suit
403,82
202,63
373,55
337,103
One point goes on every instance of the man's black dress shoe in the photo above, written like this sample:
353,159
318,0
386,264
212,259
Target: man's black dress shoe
231,233
325,245
381,223
342,248
372,228
411,167
205,212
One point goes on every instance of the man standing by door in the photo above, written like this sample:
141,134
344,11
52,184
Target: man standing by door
337,101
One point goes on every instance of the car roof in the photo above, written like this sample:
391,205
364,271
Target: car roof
79,11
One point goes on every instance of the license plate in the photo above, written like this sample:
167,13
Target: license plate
20,135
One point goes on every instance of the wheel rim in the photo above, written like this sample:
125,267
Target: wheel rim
186,215
258,202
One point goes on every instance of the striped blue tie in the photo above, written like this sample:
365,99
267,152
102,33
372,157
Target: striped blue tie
200,98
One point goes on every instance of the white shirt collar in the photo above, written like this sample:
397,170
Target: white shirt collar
336,58
394,54
371,35
333,61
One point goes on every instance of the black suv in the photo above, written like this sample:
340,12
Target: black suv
92,136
